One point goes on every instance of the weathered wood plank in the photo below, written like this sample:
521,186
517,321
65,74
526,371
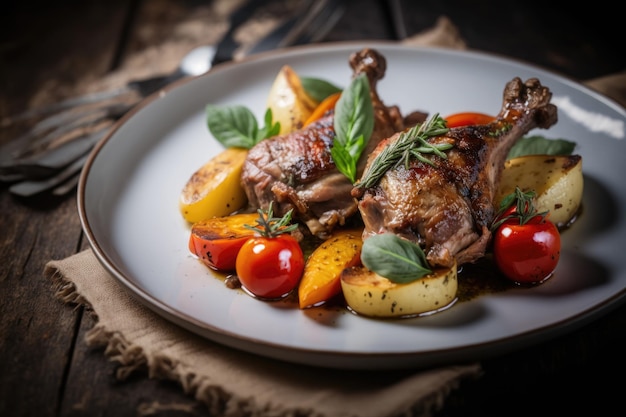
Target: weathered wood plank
42,59
36,331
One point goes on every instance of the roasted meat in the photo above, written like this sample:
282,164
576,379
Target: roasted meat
447,207
297,171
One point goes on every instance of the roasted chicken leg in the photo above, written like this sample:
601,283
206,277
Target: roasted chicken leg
447,207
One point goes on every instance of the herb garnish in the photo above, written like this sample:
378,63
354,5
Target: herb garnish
410,144
534,145
269,226
524,209
317,88
353,123
394,258
236,126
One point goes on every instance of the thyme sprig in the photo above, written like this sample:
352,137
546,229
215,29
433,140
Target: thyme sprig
269,226
410,144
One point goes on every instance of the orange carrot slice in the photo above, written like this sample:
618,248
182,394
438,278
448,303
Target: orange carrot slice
322,271
327,104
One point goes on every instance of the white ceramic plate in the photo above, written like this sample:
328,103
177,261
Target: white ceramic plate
128,204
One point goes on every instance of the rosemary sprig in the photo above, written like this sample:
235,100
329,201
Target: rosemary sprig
411,144
270,226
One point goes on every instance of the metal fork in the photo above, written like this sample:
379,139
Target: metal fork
35,166
18,158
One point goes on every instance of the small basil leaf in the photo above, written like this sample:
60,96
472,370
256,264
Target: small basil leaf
354,112
233,126
353,124
343,161
394,258
318,89
356,147
270,129
539,145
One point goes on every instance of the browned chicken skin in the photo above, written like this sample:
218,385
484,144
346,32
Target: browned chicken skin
297,170
447,208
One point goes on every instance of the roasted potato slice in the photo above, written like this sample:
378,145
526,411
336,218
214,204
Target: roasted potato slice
290,104
372,295
214,190
557,181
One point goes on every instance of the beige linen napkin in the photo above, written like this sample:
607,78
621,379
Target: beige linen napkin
233,383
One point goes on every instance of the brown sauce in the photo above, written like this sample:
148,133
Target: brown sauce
474,280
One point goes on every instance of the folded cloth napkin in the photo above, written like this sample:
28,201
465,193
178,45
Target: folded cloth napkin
233,383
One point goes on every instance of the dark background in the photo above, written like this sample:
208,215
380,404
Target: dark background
582,41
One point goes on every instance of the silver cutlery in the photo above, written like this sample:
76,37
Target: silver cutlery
39,162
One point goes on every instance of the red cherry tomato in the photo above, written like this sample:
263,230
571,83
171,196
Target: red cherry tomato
468,118
270,267
527,253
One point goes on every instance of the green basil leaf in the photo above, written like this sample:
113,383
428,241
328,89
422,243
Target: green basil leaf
270,129
318,89
354,123
394,258
356,147
233,126
236,126
539,145
344,162
354,112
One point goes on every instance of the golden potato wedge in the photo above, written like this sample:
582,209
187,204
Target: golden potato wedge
289,102
557,181
214,190
322,271
372,295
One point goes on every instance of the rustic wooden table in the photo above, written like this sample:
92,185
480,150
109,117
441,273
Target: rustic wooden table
47,48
